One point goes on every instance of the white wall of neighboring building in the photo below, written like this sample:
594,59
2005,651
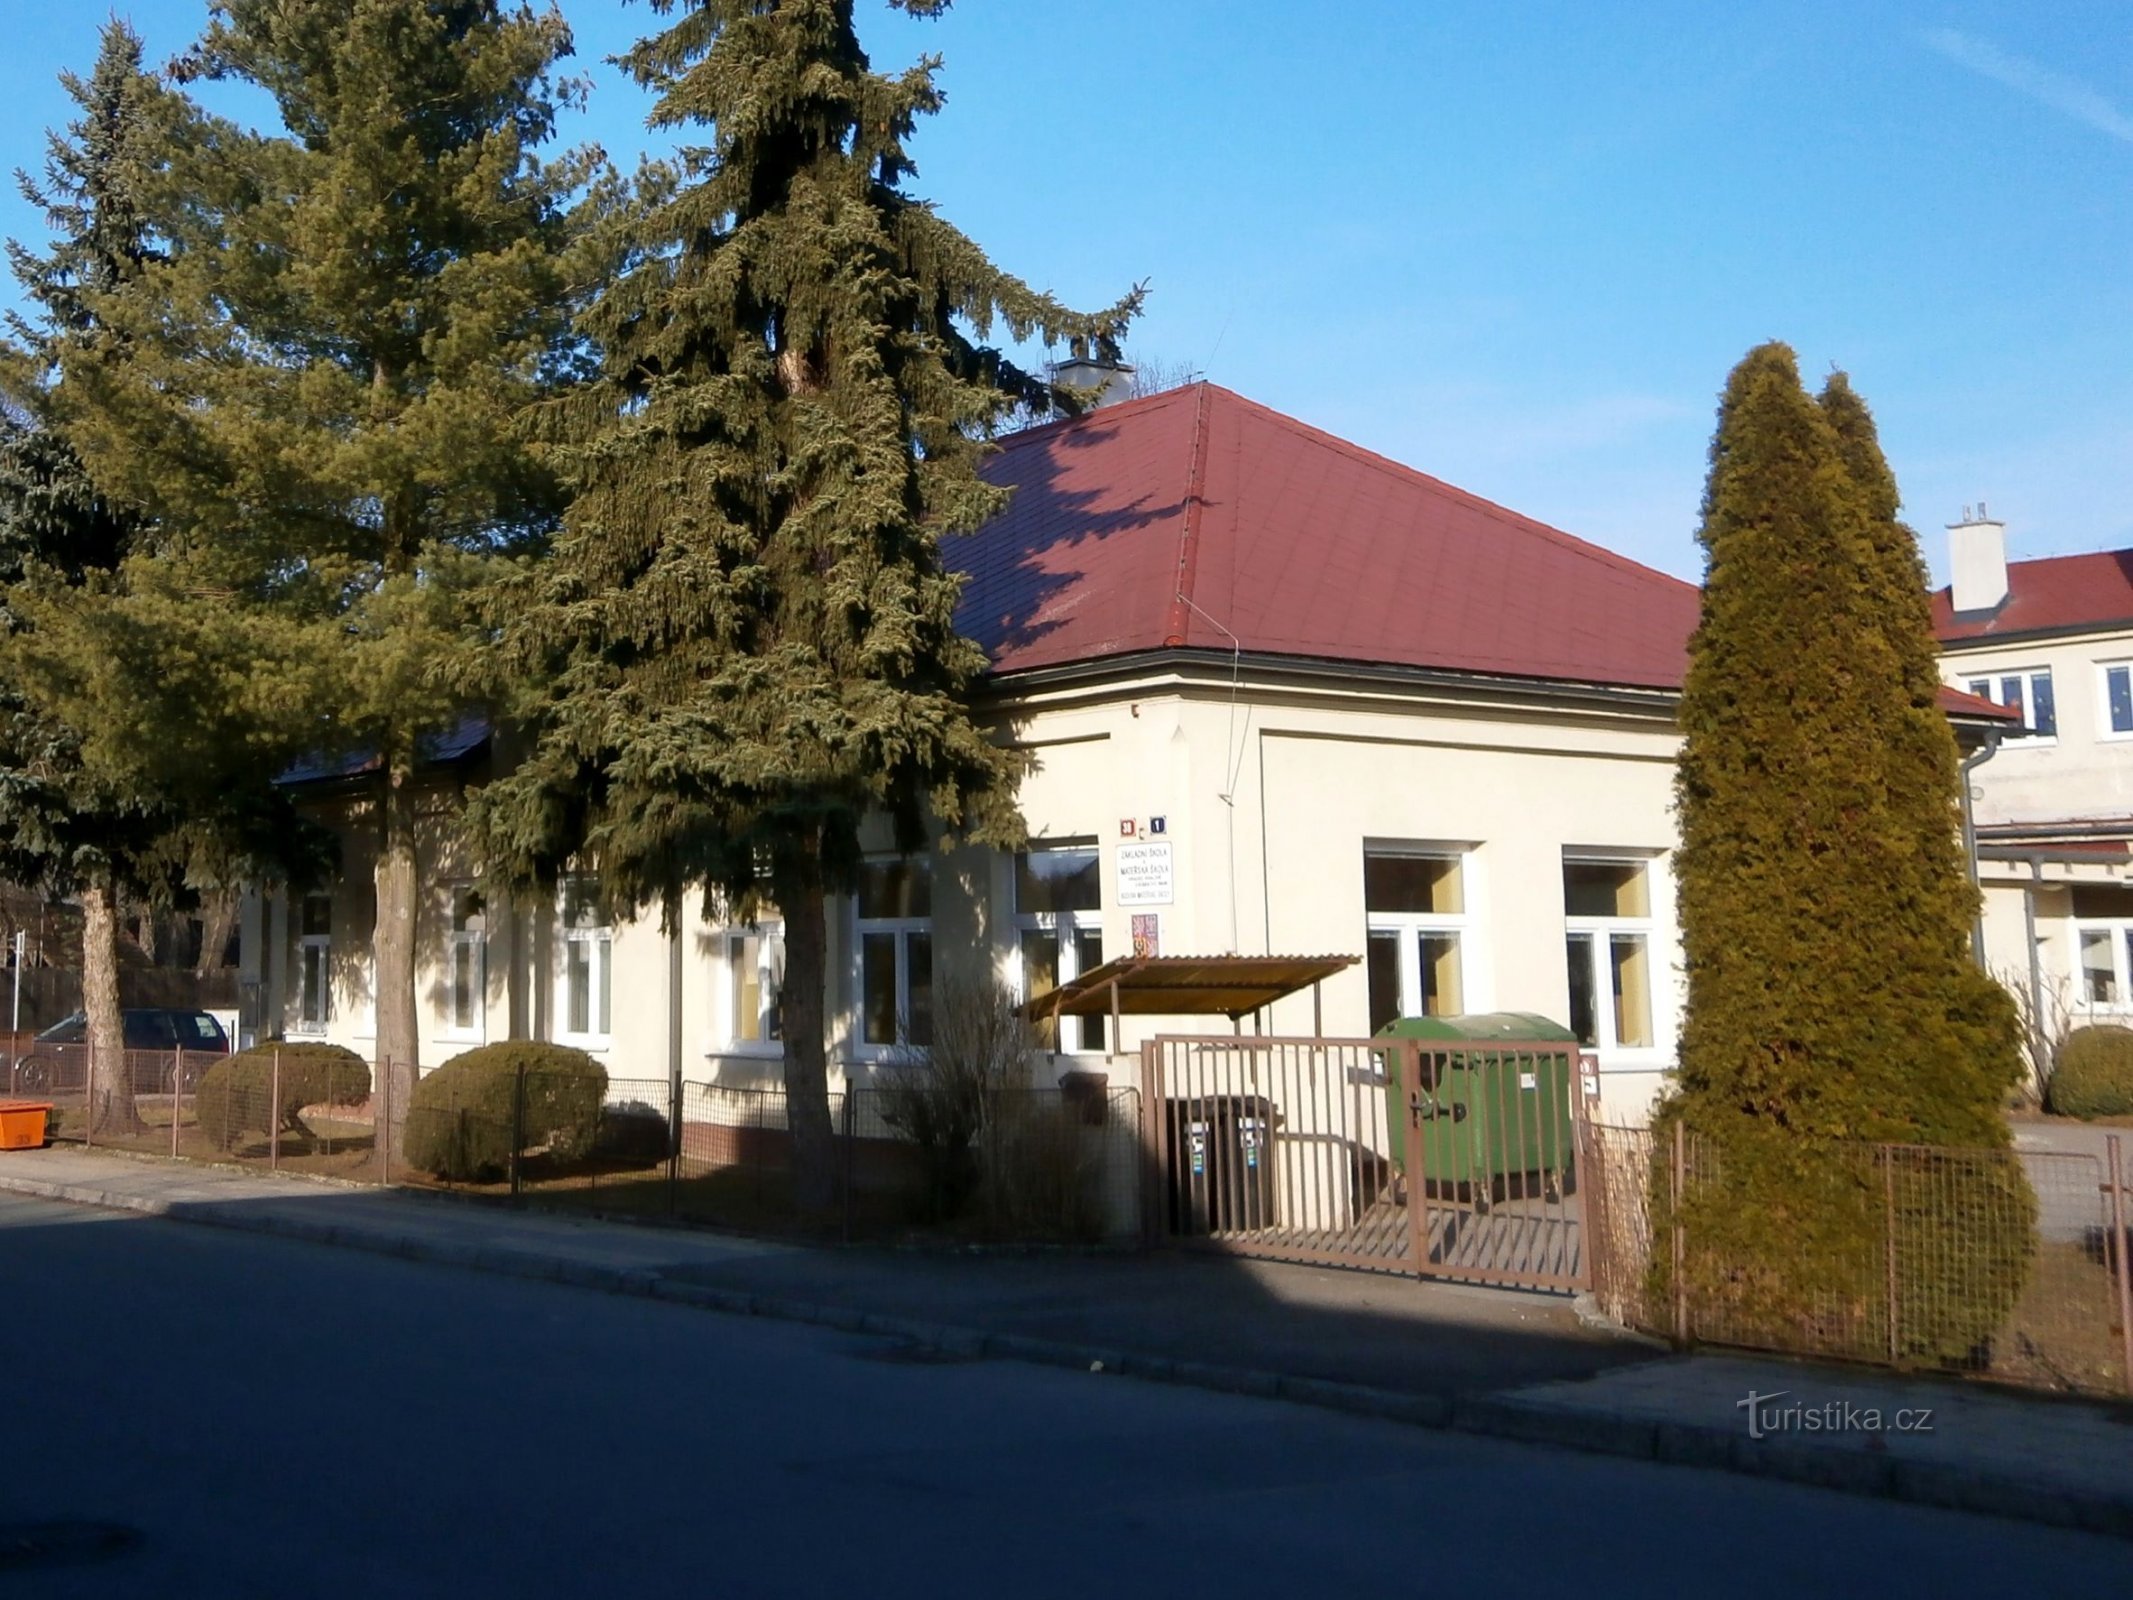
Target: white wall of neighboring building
2086,769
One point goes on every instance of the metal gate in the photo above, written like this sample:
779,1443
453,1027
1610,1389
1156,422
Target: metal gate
1456,1159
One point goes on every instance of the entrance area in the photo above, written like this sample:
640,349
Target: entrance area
1438,1158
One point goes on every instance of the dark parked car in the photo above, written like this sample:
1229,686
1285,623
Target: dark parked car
158,1029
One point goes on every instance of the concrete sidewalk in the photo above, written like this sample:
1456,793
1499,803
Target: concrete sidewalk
1443,1355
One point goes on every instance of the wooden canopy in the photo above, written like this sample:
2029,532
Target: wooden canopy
1185,986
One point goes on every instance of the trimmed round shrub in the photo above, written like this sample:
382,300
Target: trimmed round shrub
2093,1075
460,1123
236,1094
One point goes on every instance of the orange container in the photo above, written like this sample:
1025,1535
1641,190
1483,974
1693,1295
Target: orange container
22,1124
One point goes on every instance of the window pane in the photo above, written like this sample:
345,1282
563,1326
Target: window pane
896,888
1040,971
577,986
603,953
918,954
1384,979
1065,879
312,1006
466,911
1584,1007
1441,994
318,915
2118,689
1088,956
877,988
1981,687
2011,697
1412,883
1605,889
462,984
2043,710
745,955
1633,991
2099,981
581,903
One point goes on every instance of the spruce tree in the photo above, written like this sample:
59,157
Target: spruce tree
66,827
323,385
746,629
1825,910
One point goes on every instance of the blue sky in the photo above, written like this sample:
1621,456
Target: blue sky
1519,245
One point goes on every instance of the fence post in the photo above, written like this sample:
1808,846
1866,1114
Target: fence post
382,1131
274,1116
1888,1247
678,1093
1679,1172
177,1090
88,1101
851,1096
518,1124
2121,1249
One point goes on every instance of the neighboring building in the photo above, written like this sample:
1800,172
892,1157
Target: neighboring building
1283,695
2052,640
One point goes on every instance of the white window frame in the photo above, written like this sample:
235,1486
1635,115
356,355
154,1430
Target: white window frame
2120,932
598,940
1598,932
863,1048
769,934
1989,685
307,944
1074,1032
1409,926
470,945
2104,669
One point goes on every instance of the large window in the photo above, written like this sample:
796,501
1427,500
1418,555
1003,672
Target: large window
755,972
2103,942
895,948
1608,922
466,966
2118,697
1059,927
588,962
2029,692
314,964
1415,909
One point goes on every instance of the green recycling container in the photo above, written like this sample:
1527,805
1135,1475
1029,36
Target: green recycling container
1490,1120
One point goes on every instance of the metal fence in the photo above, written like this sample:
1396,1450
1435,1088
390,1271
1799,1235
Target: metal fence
1026,1165
2005,1264
1454,1159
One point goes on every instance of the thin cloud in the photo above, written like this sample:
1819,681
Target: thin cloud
2063,94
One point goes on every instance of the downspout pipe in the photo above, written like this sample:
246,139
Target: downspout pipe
1983,754
2037,1039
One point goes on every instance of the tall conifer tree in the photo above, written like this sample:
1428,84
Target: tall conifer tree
324,382
1825,909
67,828
746,628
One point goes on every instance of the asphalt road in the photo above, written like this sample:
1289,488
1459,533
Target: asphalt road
267,1418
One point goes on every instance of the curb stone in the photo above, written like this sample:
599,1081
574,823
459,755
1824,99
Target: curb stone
1845,1470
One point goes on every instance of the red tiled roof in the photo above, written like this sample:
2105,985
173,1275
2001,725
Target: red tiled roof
1192,516
2051,595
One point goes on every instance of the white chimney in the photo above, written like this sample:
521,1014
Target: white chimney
1977,561
1099,382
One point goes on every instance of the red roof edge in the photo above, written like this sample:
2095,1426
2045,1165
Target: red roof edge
1956,703
1189,540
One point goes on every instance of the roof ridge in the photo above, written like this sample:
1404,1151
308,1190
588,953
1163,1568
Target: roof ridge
1117,408
1400,469
1188,562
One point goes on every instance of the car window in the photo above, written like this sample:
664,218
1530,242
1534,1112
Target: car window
148,1030
205,1028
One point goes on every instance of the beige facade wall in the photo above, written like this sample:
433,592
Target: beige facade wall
1266,793
2086,771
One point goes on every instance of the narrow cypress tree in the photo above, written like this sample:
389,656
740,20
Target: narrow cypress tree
746,628
1824,906
323,384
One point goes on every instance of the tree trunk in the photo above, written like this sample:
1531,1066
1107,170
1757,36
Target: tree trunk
111,1109
218,920
393,944
800,1012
